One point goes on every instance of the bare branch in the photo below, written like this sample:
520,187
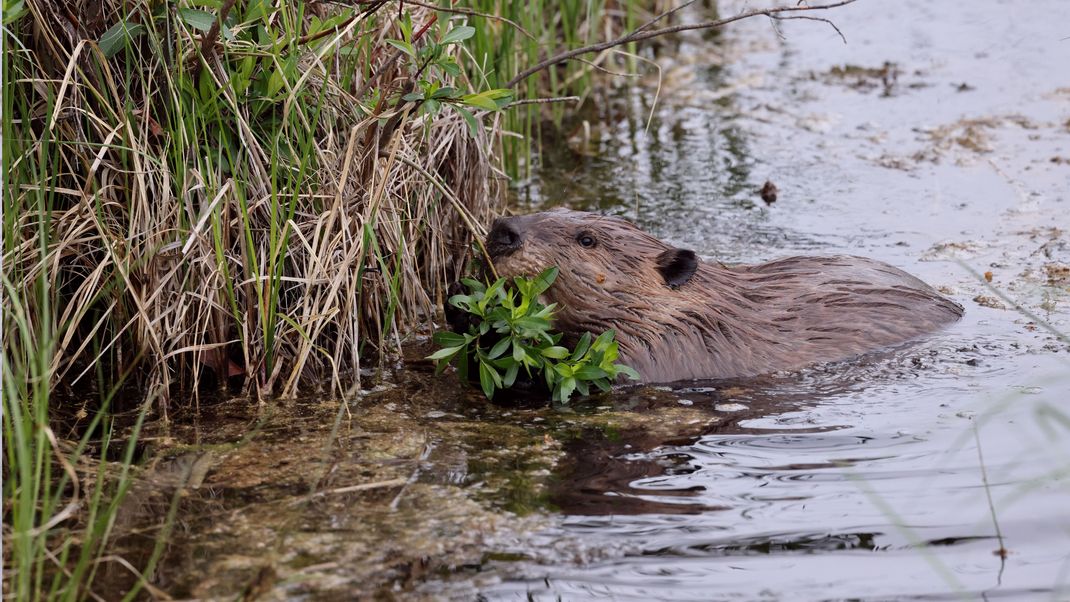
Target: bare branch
641,34
808,18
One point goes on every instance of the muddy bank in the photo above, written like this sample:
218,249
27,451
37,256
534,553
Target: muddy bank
417,479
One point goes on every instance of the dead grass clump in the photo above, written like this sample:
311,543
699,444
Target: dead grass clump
206,200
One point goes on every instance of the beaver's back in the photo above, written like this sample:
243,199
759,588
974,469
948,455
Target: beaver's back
781,315
828,308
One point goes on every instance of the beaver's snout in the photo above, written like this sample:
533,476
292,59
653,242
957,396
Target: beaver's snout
504,238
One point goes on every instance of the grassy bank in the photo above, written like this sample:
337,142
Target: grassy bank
265,194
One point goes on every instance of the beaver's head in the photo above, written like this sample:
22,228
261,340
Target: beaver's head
602,260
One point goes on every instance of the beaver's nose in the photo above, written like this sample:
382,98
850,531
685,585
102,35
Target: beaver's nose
503,239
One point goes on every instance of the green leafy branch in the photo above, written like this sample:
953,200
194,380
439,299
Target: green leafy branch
433,64
512,330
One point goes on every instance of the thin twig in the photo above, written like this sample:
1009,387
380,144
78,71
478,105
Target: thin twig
665,14
475,13
351,489
807,18
326,32
1002,551
597,67
639,35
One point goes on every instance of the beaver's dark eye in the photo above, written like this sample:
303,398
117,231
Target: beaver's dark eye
585,240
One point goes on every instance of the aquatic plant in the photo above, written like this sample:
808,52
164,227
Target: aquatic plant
510,329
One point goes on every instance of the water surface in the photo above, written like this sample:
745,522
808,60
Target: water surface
940,131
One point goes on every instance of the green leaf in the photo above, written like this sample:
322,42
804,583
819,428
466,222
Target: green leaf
257,9
581,346
609,354
462,366
458,34
551,379
198,19
566,387
486,381
462,302
603,340
474,285
13,11
413,96
582,387
403,46
430,107
546,312
556,353
518,352
479,101
469,119
543,281
117,37
445,92
450,67
498,93
510,376
531,323
445,338
444,353
499,348
627,371
590,373
495,289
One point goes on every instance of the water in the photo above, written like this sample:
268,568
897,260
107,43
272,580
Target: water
941,131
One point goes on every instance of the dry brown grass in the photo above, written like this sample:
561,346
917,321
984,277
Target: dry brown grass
285,257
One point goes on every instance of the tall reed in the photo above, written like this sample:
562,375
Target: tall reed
235,211
520,34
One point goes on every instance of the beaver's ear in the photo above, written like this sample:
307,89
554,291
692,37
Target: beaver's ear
677,266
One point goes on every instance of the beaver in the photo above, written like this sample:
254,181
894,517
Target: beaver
677,317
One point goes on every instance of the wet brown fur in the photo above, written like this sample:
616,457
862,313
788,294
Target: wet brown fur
722,322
